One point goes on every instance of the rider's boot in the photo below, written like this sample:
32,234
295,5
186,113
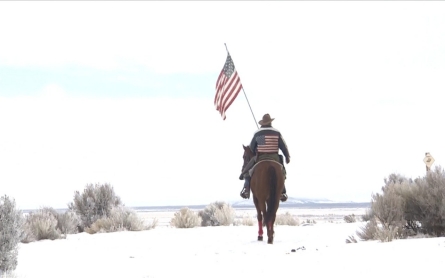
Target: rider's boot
245,193
283,195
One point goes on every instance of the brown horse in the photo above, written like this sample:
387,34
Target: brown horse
267,183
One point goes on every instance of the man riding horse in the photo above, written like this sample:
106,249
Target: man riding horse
265,144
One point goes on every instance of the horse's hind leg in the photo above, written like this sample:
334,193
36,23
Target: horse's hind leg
271,220
270,230
260,219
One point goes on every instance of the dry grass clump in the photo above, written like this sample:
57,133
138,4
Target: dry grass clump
47,223
350,218
246,220
351,239
40,225
287,219
225,216
185,218
217,214
120,218
308,222
68,223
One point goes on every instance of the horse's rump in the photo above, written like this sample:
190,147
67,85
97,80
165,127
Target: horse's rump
267,180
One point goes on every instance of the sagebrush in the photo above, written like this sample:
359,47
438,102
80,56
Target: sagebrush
68,223
120,218
11,222
244,221
225,216
287,219
41,224
217,214
407,207
95,202
350,218
186,218
351,239
47,223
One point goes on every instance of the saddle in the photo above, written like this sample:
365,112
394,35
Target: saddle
270,160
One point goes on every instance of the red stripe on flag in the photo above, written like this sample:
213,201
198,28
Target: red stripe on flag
219,83
231,88
227,87
232,95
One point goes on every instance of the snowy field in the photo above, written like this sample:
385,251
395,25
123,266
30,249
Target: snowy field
313,250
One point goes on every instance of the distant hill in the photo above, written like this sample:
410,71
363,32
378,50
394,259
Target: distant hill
303,203
290,200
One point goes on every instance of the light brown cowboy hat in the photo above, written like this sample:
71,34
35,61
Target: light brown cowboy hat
266,120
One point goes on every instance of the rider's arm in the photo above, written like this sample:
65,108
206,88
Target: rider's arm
253,145
283,147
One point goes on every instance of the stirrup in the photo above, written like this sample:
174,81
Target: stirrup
245,194
283,197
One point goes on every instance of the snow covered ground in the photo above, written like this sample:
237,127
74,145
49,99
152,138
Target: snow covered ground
314,250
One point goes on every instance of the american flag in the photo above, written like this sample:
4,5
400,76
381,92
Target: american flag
228,86
267,143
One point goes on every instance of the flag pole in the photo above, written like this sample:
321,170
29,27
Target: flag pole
242,87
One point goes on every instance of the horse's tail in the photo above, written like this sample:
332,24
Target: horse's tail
272,193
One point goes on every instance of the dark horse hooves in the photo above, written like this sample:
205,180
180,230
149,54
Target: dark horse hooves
260,238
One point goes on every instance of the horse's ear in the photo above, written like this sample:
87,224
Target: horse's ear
244,147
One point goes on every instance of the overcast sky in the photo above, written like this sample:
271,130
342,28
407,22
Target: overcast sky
122,93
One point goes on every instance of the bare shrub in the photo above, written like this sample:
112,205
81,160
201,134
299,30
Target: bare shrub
68,222
428,203
309,222
185,218
368,215
225,215
388,211
247,221
351,239
151,225
11,222
389,207
406,208
287,219
217,214
8,274
41,224
387,234
244,221
349,218
120,218
412,209
369,231
103,225
95,202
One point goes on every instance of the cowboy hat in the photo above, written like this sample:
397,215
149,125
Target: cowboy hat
266,120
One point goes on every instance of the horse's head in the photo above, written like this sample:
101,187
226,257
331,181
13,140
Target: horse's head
247,156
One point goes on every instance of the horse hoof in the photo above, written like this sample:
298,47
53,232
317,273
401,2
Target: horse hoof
270,241
260,238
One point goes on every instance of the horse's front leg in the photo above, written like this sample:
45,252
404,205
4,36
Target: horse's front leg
260,219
